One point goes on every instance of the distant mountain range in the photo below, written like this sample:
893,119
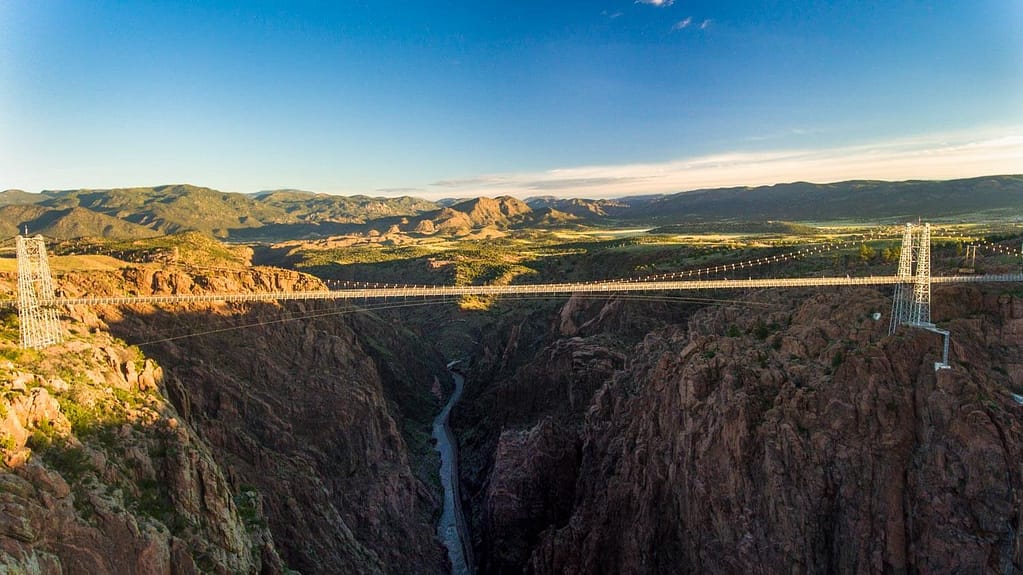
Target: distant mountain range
853,200
582,208
146,212
315,208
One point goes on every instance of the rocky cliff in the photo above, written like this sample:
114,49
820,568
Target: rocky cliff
315,419
323,411
101,475
784,431
531,382
790,434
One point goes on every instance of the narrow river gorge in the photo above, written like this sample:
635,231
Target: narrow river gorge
451,528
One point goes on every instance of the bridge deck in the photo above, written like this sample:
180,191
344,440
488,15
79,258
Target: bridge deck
609,287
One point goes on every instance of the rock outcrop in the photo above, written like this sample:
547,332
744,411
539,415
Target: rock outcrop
299,442
100,475
798,438
313,408
475,214
523,420
160,280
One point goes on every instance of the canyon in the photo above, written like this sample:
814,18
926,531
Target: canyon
763,432
640,287
798,439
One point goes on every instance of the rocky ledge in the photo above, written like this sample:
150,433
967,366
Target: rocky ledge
797,438
101,475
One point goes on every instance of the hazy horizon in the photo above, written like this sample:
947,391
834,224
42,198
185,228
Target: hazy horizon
518,195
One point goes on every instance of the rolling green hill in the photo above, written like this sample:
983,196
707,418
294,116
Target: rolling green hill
18,197
14,218
290,214
852,200
169,209
80,222
579,207
67,223
310,207
177,208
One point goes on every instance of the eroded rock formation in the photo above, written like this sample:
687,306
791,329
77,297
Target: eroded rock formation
298,442
100,475
314,408
796,437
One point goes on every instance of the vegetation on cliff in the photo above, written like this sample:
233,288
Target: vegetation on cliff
726,440
101,474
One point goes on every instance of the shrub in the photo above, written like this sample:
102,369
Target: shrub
71,462
246,502
760,330
154,500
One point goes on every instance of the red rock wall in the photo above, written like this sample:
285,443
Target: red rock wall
309,413
796,437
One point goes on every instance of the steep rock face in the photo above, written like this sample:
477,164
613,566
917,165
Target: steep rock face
99,475
318,416
803,440
158,280
523,420
531,485
791,433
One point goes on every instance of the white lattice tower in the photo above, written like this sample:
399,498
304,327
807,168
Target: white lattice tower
902,299
39,326
920,309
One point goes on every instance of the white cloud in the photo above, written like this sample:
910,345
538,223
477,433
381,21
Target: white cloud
681,24
928,157
611,15
705,24
660,3
784,134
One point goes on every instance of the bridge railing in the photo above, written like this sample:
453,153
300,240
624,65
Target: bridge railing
516,289
484,290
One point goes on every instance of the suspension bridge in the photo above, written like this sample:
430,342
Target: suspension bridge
38,305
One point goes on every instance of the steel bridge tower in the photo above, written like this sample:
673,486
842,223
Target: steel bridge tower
902,300
911,304
39,325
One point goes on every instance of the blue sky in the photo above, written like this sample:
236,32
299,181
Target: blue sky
596,98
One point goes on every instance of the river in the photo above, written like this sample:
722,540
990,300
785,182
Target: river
451,529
